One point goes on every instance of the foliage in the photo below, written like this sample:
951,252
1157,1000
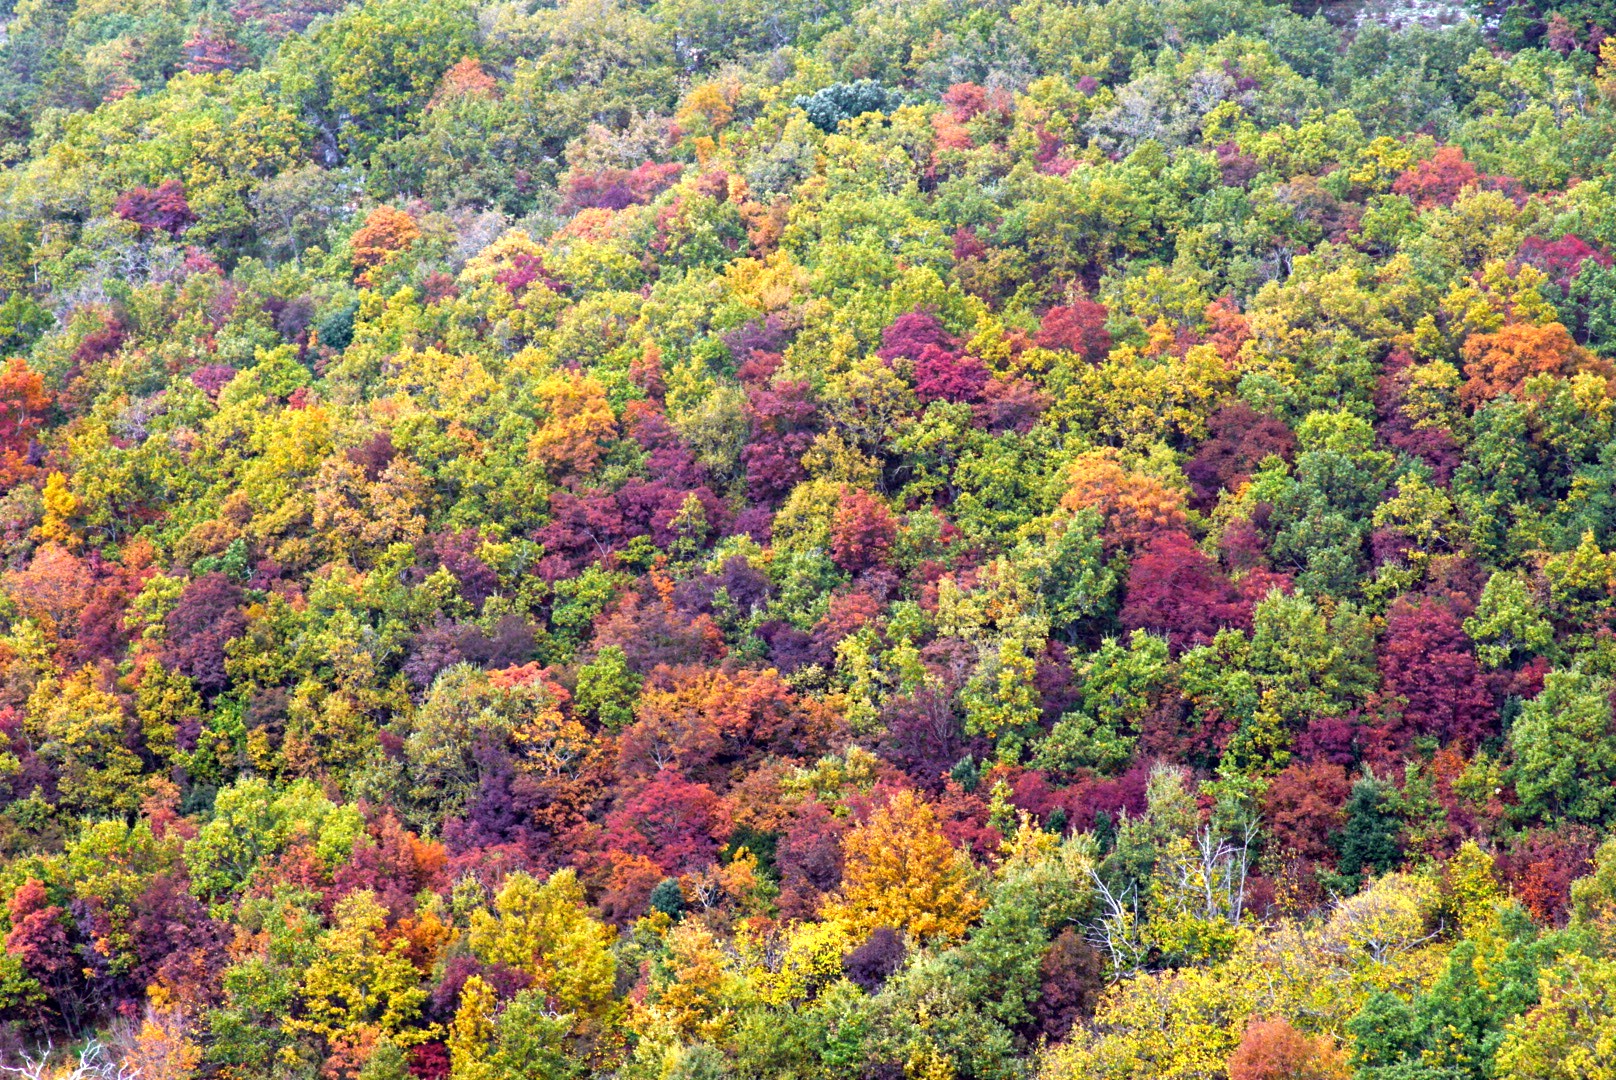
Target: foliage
834,541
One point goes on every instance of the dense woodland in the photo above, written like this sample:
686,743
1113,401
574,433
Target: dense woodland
891,540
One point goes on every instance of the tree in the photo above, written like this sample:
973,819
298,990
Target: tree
358,980
1071,978
1176,591
206,618
39,941
544,930
809,858
578,420
1567,1033
1078,327
862,532
360,77
1304,806
1133,508
1508,626
161,208
828,107
80,727
1369,839
386,232
23,403
1240,439
677,824
1564,749
902,873
607,689
1501,362
877,960
1274,1050
1439,179
1430,673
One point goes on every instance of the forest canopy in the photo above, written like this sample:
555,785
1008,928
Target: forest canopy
689,539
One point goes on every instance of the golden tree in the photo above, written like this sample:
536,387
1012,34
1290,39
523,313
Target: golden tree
903,873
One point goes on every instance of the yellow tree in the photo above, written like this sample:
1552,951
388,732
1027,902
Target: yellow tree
360,981
1572,1031
545,931
903,873
579,419
471,1033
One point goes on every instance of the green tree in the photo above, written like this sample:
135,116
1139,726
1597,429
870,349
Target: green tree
1563,749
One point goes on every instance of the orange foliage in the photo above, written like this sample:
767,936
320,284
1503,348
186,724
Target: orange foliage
23,401
692,716
385,233
53,589
1500,362
1274,1050
465,79
1134,508
569,442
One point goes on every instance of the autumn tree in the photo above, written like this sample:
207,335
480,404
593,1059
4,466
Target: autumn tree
1078,327
1500,362
1274,1050
901,872
386,231
578,420
1134,508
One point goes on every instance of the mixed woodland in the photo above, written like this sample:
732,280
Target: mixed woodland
807,539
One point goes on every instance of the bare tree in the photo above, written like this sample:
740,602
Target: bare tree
92,1063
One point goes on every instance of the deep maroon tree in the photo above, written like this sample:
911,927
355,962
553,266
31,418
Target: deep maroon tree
809,857
1070,978
875,961
207,616
782,419
925,737
1240,438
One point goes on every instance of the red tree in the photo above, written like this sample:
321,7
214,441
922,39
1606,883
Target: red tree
1070,979
1303,806
782,419
163,207
1078,327
809,857
1176,590
948,375
911,333
862,531
1431,679
1438,180
671,821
